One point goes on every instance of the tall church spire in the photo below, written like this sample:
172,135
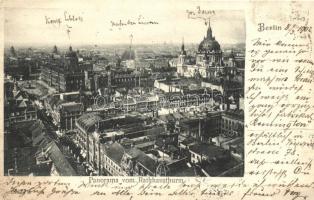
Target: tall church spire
209,30
183,52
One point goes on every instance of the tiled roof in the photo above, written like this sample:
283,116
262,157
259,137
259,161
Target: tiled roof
143,159
188,140
72,107
38,135
54,100
62,165
114,151
181,170
208,149
237,114
145,144
88,120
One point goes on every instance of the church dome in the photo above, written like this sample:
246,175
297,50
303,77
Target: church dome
209,43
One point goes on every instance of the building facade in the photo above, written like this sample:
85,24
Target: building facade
65,73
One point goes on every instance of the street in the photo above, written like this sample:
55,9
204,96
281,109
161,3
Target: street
51,132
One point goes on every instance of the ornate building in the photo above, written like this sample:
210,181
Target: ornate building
209,62
209,56
65,73
209,52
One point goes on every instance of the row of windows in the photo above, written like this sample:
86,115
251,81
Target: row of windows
230,133
23,113
229,124
22,118
111,166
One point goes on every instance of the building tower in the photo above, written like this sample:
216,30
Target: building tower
182,54
209,54
181,60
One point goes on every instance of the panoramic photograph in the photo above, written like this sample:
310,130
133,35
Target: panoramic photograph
106,93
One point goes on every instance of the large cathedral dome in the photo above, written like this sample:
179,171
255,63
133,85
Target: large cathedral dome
209,43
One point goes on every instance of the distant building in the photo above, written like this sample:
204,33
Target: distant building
21,67
66,73
119,79
209,63
168,86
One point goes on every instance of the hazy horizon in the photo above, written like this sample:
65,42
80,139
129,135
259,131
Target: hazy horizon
30,45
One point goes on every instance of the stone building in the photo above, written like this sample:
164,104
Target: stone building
232,123
65,73
209,62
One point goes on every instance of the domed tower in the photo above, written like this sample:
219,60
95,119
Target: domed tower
209,51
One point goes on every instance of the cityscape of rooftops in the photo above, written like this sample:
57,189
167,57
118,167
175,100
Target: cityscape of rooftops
155,104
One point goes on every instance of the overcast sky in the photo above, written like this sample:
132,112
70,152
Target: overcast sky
28,25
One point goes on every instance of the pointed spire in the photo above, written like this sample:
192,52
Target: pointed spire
209,30
55,50
183,52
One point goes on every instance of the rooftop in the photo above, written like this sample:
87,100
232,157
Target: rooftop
62,165
211,151
143,159
88,120
237,114
114,151
72,107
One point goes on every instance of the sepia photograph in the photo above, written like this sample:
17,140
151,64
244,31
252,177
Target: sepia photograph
122,95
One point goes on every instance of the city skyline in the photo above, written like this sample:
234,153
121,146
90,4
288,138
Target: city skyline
129,110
